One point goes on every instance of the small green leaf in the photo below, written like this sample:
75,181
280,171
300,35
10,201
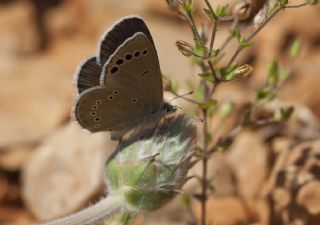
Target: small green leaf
283,73
221,11
186,200
228,73
211,110
214,53
283,2
225,110
283,114
207,76
273,69
199,93
313,2
208,104
211,14
199,49
266,94
295,48
187,6
174,85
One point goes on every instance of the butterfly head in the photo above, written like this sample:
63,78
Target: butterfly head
167,108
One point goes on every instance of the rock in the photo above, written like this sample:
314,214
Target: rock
225,210
35,97
248,158
309,197
65,172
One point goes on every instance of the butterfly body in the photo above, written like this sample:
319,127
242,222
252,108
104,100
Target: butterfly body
121,88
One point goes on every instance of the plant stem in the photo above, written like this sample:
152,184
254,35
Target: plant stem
204,169
93,215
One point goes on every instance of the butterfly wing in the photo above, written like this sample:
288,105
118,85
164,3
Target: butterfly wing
105,109
135,66
118,34
130,83
88,74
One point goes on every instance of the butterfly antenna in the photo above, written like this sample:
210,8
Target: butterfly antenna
190,114
181,96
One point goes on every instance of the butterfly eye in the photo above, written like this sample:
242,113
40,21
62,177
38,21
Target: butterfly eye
136,54
93,113
110,97
114,69
145,52
115,92
128,56
98,102
94,107
134,100
119,62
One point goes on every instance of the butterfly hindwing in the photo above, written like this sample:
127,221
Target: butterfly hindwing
88,74
107,109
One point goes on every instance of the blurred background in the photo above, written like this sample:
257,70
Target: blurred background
50,167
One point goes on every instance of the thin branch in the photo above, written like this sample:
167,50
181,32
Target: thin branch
250,37
240,48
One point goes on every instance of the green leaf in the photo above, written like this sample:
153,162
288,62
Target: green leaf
174,85
283,114
214,53
228,73
187,7
266,94
199,49
241,40
283,2
221,11
273,75
283,73
313,2
211,110
295,48
186,200
212,16
207,76
208,104
225,110
199,93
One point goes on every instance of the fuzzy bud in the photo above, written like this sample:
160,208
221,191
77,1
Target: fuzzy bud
175,5
242,10
185,48
242,72
151,171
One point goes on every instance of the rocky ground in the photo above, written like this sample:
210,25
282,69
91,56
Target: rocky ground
49,167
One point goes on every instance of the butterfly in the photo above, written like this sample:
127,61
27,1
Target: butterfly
121,87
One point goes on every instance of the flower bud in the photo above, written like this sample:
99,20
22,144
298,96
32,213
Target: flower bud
151,171
175,5
242,10
242,72
185,48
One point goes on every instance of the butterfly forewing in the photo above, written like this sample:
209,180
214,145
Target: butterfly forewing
135,66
